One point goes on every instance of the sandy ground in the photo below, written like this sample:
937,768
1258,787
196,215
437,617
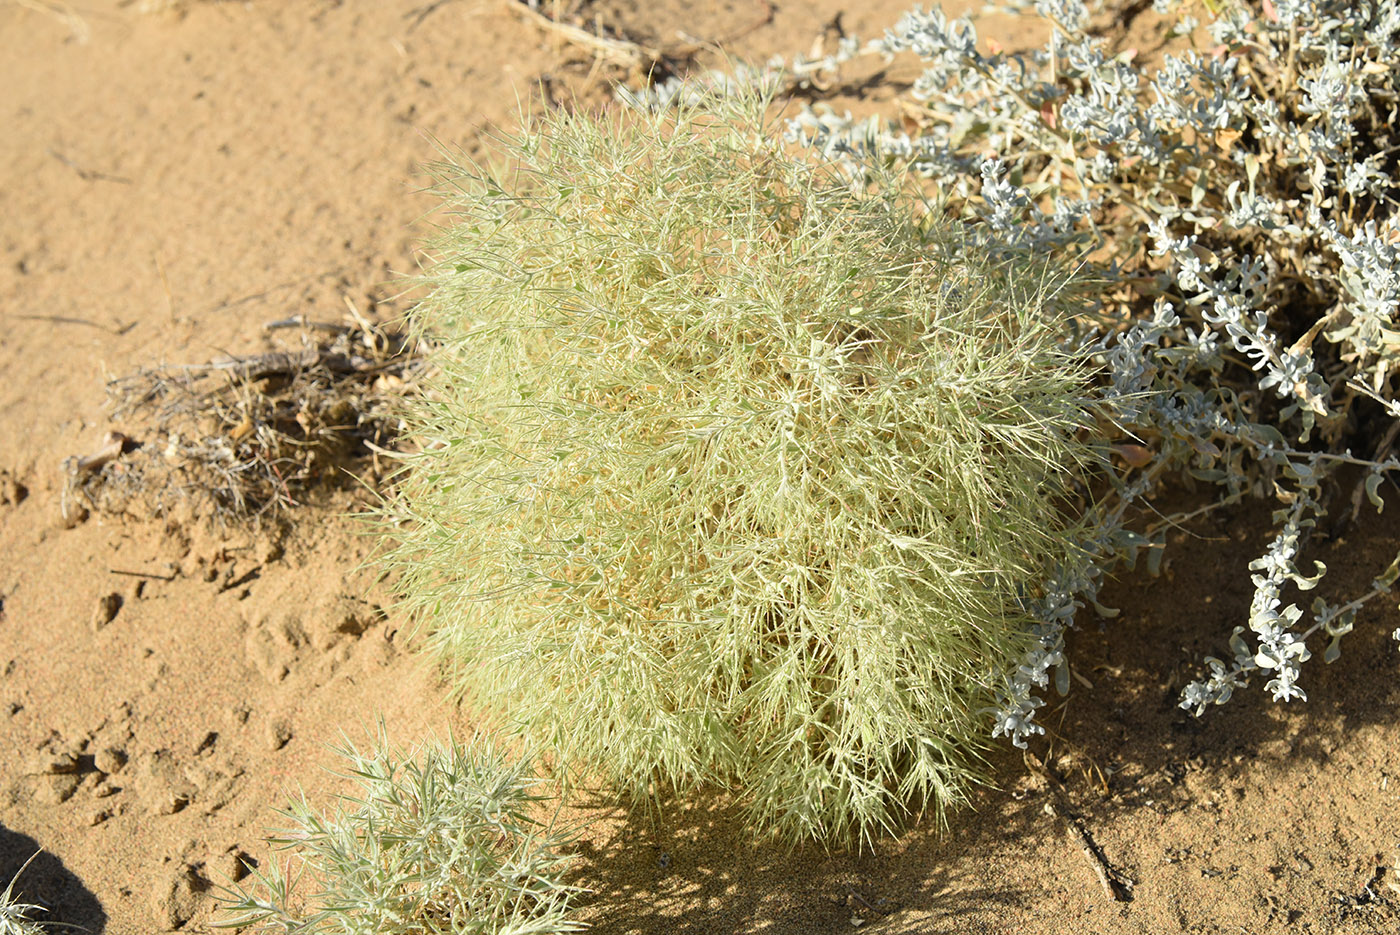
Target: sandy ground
170,181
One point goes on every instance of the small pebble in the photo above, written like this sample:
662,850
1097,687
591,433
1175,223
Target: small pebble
231,865
58,788
110,760
106,610
170,802
176,898
279,734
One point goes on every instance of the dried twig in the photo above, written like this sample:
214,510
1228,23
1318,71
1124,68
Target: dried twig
79,468
118,329
110,451
851,894
301,321
1117,886
140,574
623,51
88,175
419,14
282,363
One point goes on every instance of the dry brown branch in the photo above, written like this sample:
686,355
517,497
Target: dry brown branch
88,175
623,51
1116,885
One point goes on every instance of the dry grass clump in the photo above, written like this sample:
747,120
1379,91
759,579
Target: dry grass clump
247,437
730,473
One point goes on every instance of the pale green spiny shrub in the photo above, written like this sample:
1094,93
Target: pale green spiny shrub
442,840
731,473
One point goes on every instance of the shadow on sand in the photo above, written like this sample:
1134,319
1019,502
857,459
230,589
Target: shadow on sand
1122,748
46,883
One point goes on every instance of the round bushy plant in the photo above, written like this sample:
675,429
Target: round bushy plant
731,473
440,841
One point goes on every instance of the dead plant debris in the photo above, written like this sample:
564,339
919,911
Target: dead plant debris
247,438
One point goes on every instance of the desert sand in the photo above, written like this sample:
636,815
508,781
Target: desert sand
172,179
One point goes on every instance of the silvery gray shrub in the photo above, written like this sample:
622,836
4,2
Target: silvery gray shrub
442,840
1242,195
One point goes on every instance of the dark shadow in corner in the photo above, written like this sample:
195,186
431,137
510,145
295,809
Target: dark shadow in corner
694,866
47,883
1131,721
